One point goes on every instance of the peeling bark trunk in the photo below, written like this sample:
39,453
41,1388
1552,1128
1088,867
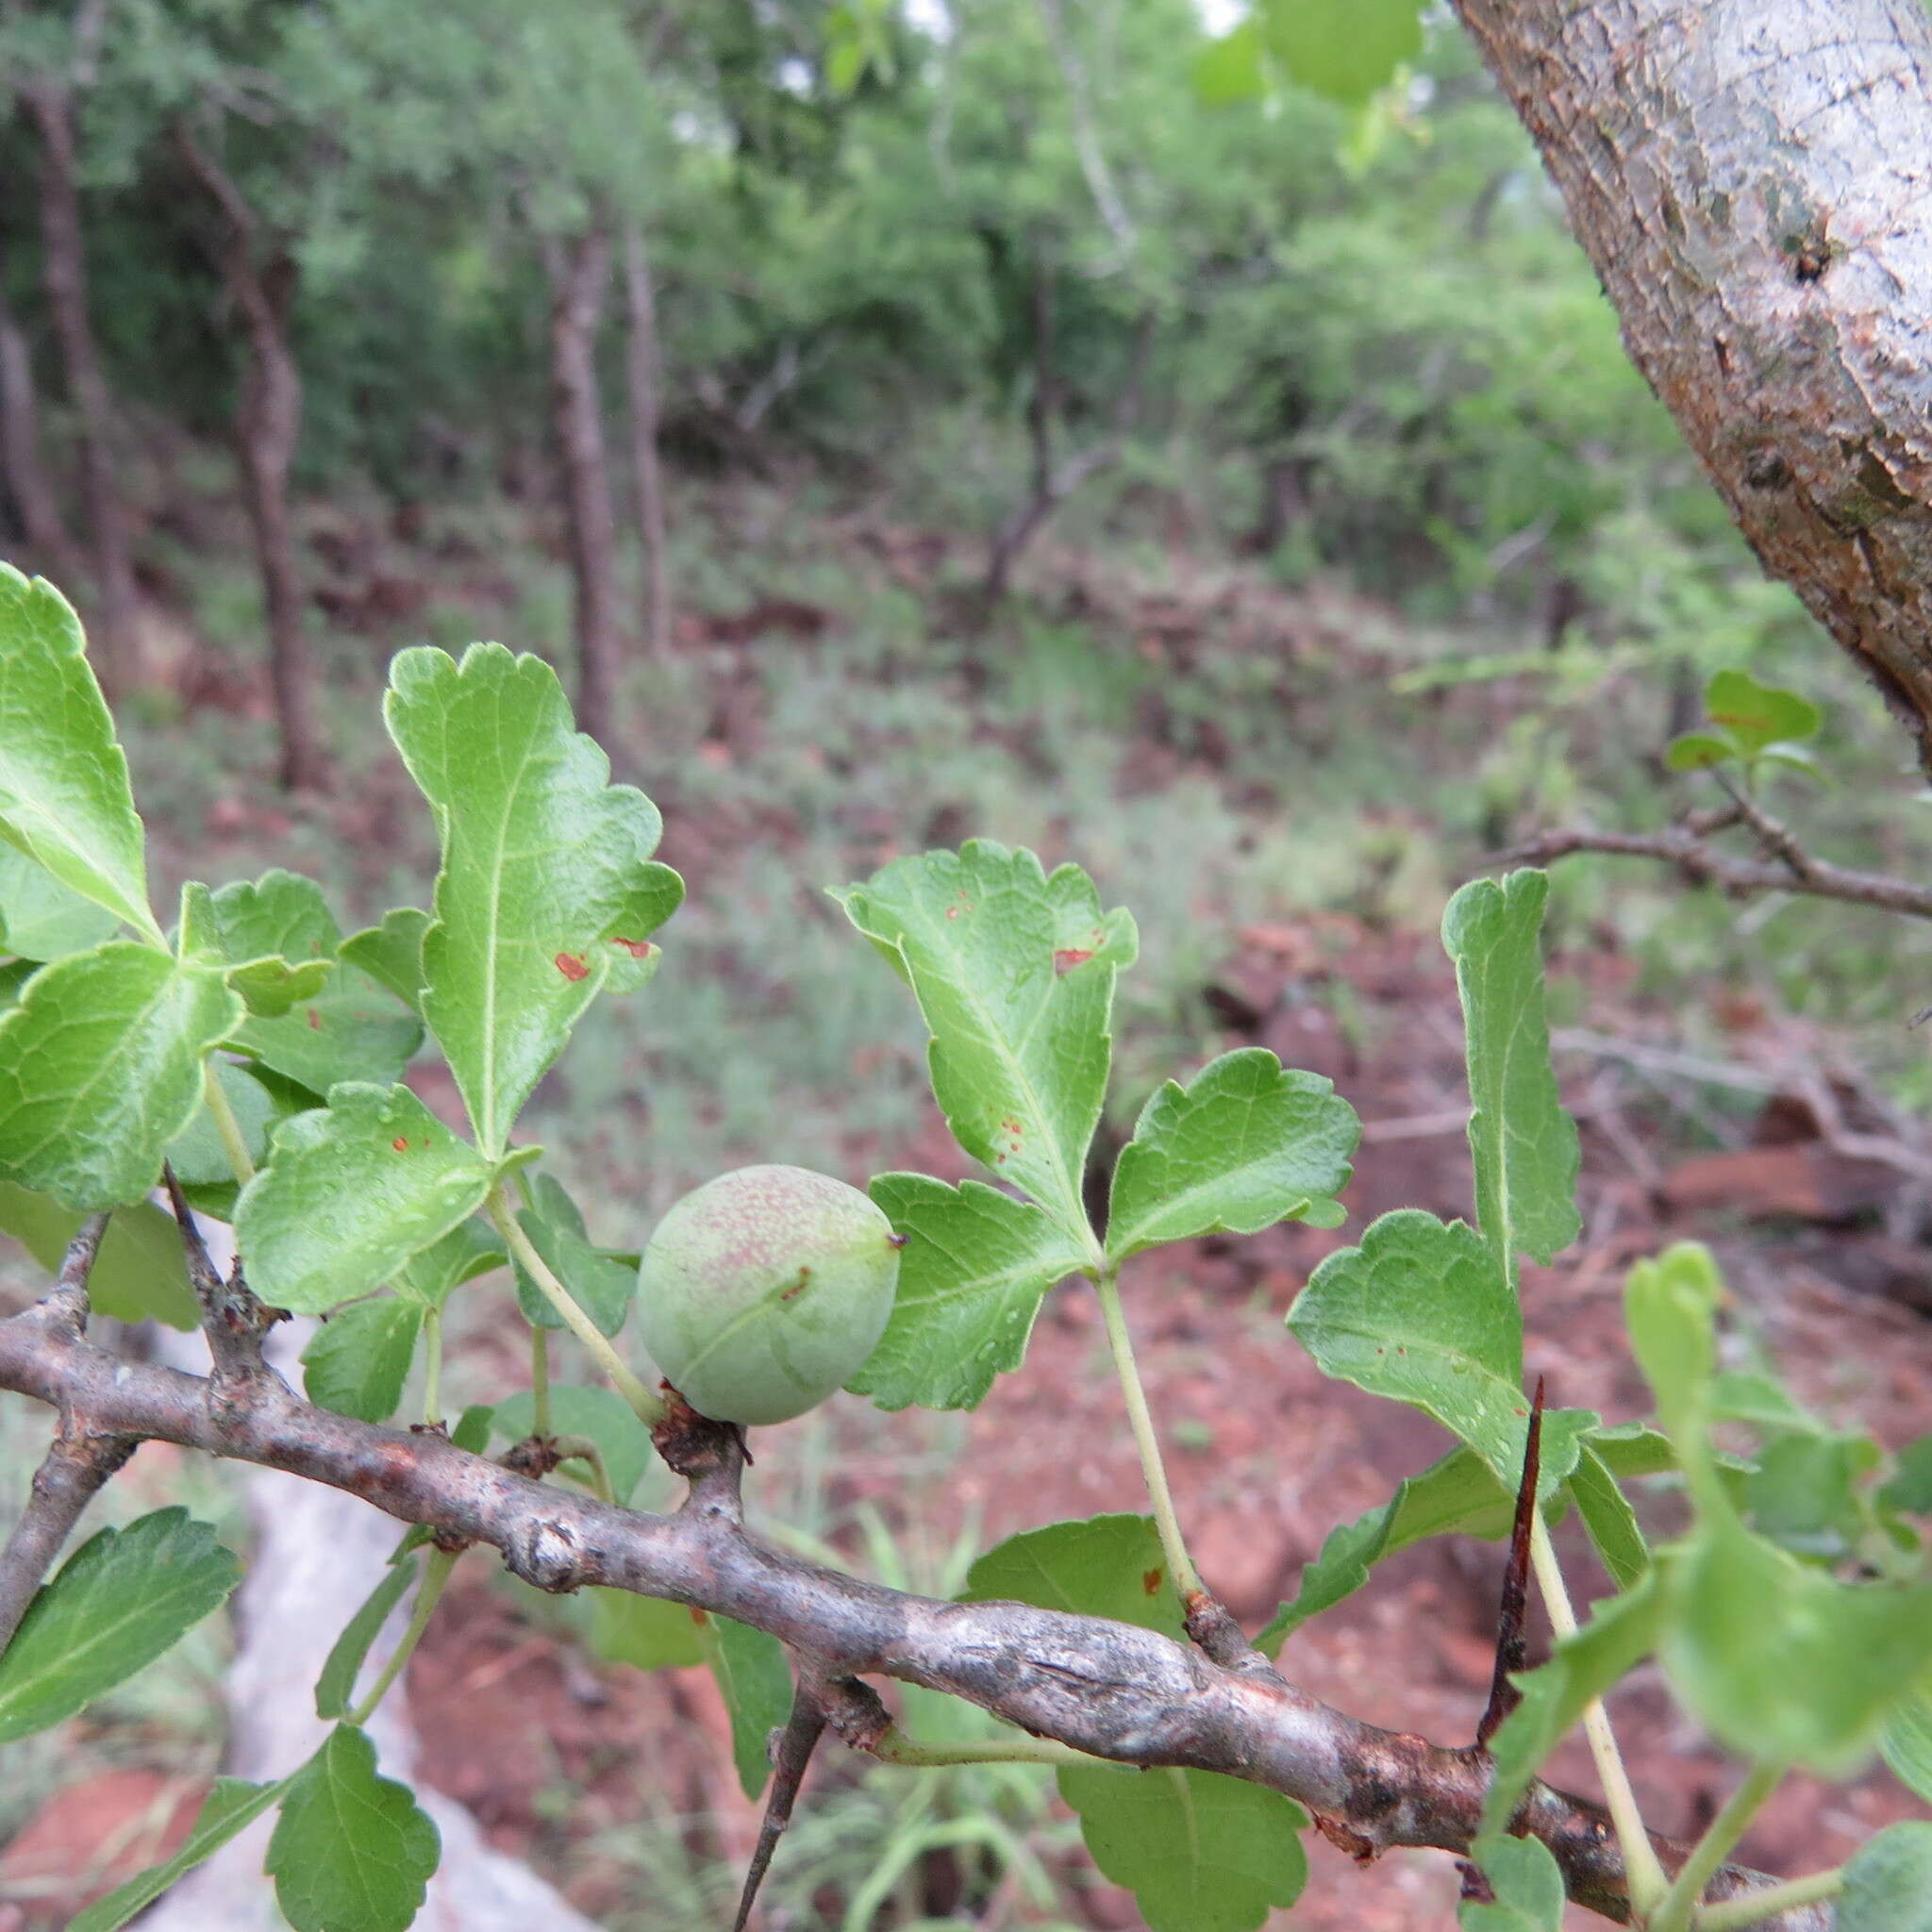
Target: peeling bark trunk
50,106
1750,178
579,269
643,367
26,482
259,275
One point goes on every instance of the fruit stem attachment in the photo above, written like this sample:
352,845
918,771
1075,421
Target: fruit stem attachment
234,1142
1751,1907
1180,1566
1708,1853
540,1380
650,1409
435,1575
896,1747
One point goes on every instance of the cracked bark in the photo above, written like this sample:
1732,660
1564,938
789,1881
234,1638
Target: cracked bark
1750,178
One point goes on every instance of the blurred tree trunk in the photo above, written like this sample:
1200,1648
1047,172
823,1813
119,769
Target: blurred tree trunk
259,275
1750,178
25,483
579,269
50,106
643,366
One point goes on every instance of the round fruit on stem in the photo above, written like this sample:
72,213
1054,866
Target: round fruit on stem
765,1291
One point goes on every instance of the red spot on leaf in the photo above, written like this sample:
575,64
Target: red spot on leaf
698,1616
1070,956
572,967
952,913
1151,1581
637,949
400,1144
315,1021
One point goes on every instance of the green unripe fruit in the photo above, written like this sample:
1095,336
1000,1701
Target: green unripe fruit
765,1291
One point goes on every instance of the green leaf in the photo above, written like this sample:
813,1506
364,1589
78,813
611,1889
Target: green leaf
1420,1312
355,1189
64,797
1620,1635
356,1363
352,1852
1608,1516
1200,1852
601,1414
1911,1485
392,953
1888,1882
468,1249
100,1068
1805,1493
756,1682
1756,715
1698,751
1528,1883
602,1284
546,880
1744,1396
198,1155
1524,1145
645,1631
227,1811
1907,1743
42,919
335,1688
1014,973
140,1273
1668,1304
1243,1146
1101,1566
1232,69
976,1266
472,1431
121,1600
1346,50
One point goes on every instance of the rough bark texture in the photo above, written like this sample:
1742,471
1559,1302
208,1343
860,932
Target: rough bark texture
1751,178
642,366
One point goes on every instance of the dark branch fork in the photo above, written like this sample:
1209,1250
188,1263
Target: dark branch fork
1110,1689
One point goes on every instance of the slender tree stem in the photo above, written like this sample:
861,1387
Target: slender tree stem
1646,1877
436,1573
1752,1907
896,1747
65,1483
432,1366
234,1142
650,1409
540,1379
1674,1913
1186,1579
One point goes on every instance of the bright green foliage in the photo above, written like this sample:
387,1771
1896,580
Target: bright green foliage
1668,1304
1608,1516
1528,1883
601,1283
976,1266
352,1852
547,878
1245,1144
645,1631
1014,973
64,798
100,1068
335,1688
1524,1145
355,1189
468,1249
1345,49
600,1415
1908,1744
1910,1485
42,919
139,1273
756,1681
121,1600
198,1155
1752,724
1104,1566
392,953
1888,1882
226,1812
356,1363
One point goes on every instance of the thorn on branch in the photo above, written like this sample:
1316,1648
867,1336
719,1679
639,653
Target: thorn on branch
794,1746
74,1470
232,1318
1503,1695
66,1302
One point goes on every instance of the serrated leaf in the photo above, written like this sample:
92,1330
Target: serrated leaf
602,1285
756,1682
227,1811
1888,1882
1014,974
1608,1516
121,1600
199,1155
1524,1144
1698,751
976,1266
357,1361
1245,1144
353,1191
64,797
1756,715
335,1688
645,1632
1908,1744
468,1249
100,1068
1420,1312
392,953
1528,1883
1346,50
546,867
40,918
352,1852
139,1273
1099,1566
601,1414
271,988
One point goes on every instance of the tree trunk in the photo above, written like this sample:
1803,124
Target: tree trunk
25,483
1750,180
643,367
64,267
261,282
578,269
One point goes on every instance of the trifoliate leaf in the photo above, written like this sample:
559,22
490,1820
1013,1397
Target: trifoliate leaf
352,1852
1245,1144
227,1811
601,1283
1528,1883
40,918
335,1688
392,953
353,1191
645,1632
1756,715
140,1273
546,874
1888,1882
601,1415
756,1682
100,1068
64,797
1346,50
974,1268
1524,1145
357,1361
1014,973
121,1600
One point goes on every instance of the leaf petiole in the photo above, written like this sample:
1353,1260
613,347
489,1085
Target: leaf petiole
234,1142
540,1381
436,1573
1674,1913
432,1366
896,1747
1754,1908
